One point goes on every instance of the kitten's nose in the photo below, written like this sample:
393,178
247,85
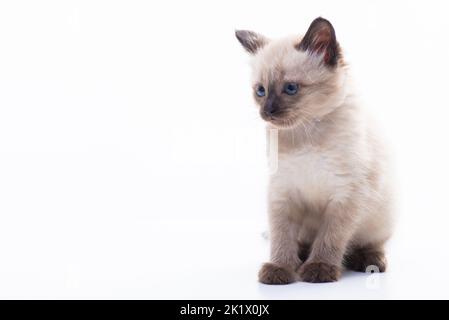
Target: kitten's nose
271,106
270,109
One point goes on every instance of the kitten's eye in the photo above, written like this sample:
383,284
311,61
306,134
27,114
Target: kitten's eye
291,88
260,91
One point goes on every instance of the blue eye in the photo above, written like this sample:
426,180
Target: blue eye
291,88
260,91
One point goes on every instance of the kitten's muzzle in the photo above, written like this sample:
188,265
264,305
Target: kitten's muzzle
271,108
274,118
271,113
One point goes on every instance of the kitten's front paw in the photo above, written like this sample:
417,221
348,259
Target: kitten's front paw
317,272
271,273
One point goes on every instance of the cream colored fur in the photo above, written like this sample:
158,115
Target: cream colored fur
331,188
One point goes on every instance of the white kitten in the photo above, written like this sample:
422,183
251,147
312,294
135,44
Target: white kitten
329,200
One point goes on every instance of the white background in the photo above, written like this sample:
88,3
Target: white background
132,161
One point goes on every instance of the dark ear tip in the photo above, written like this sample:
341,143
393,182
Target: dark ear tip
238,33
319,38
241,34
250,40
321,20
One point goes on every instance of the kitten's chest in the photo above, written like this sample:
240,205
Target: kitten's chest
313,175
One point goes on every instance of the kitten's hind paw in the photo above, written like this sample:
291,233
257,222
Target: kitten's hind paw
271,273
364,260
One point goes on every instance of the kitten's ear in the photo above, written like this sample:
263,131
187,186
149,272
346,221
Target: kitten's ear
250,40
320,38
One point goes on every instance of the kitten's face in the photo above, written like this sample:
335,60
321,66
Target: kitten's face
296,80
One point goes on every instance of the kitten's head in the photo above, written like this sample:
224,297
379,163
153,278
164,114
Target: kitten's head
296,79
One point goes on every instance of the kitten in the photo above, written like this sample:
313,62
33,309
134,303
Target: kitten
329,200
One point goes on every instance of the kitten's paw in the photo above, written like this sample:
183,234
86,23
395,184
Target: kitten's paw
361,260
271,273
319,272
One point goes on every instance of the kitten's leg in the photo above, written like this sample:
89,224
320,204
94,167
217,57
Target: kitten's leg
325,259
284,246
360,258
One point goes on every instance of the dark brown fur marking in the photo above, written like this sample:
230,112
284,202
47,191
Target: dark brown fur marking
319,38
304,251
250,40
317,272
271,273
361,258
